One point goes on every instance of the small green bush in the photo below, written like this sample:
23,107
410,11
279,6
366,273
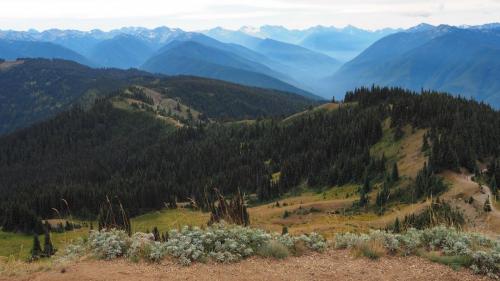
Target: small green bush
371,249
274,249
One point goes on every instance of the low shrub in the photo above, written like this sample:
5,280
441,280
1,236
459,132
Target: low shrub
448,246
372,249
274,249
219,242
455,262
109,244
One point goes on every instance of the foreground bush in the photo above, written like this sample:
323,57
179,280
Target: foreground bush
220,242
481,252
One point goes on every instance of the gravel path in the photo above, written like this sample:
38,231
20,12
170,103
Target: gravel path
332,265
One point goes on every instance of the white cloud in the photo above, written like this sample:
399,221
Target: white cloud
201,14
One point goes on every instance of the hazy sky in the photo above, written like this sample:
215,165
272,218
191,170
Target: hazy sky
203,14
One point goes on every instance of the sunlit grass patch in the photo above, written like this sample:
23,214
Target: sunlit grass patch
455,262
169,219
19,245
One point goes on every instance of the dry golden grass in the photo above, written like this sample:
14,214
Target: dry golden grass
329,216
169,219
372,249
11,267
407,151
6,65
411,159
160,103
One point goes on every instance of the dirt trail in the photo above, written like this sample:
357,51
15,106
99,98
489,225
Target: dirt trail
465,188
332,265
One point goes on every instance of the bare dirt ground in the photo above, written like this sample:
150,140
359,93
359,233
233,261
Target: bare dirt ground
332,265
8,64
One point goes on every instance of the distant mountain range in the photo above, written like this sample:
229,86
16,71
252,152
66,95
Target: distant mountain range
11,50
304,66
463,61
341,43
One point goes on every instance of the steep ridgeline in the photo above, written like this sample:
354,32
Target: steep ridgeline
223,101
460,61
202,56
36,89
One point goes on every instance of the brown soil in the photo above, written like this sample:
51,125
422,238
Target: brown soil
332,265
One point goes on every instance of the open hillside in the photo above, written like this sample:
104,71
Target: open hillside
36,89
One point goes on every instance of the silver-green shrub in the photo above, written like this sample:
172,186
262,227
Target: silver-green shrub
109,244
220,242
483,251
313,241
140,246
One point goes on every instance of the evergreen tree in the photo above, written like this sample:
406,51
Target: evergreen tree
363,198
398,133
366,186
425,143
383,195
36,250
69,226
284,230
156,234
397,226
494,187
395,172
487,205
48,248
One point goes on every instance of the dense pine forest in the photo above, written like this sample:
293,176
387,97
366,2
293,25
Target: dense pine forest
84,156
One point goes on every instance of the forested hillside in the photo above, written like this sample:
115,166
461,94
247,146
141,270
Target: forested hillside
34,90
227,101
84,156
461,131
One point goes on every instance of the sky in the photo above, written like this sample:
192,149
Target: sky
205,14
